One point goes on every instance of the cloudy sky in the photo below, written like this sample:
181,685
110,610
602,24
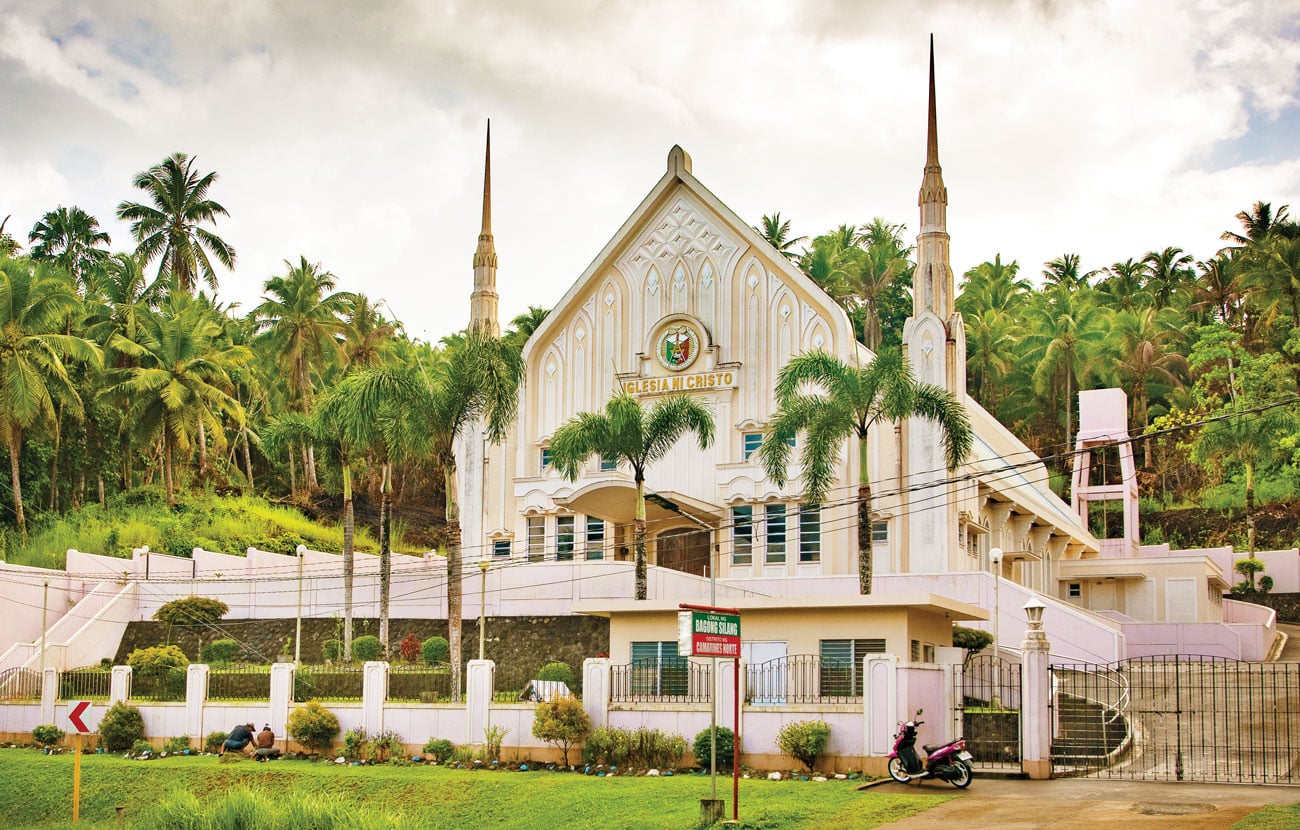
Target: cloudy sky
352,133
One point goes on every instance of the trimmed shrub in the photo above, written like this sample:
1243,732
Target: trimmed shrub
213,742
158,661
804,740
219,651
313,726
47,735
332,649
192,611
141,747
367,647
410,648
435,650
641,748
561,722
557,671
440,748
726,748
120,727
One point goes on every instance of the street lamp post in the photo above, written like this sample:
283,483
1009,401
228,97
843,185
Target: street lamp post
995,559
483,566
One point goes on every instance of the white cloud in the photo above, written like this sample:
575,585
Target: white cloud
355,137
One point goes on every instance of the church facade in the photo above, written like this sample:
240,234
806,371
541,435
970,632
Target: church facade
688,298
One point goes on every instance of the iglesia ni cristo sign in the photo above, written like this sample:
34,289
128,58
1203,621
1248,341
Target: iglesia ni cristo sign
681,383
676,347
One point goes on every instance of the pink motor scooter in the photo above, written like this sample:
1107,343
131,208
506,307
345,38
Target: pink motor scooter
948,762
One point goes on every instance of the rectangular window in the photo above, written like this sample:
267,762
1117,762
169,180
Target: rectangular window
564,535
1076,590
774,534
810,533
501,547
546,458
608,462
927,653
657,669
742,535
879,533
840,671
750,442
916,651
595,538
536,538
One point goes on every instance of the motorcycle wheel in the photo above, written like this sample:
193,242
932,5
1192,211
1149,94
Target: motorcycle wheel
897,772
961,776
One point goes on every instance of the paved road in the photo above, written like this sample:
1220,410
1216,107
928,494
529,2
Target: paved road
1087,804
1290,652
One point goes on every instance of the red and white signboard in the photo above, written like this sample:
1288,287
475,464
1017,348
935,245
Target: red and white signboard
79,716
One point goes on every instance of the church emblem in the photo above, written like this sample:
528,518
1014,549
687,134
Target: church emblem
678,347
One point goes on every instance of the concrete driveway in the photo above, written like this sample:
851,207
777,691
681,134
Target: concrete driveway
1087,803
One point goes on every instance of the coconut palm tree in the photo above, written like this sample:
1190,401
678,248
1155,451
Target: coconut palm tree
830,402
1124,287
633,435
9,246
1257,223
1065,328
1149,342
124,295
367,332
523,325
777,233
171,228
181,377
304,324
70,238
1169,271
34,306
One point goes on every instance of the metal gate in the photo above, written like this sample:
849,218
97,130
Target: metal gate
988,695
1178,718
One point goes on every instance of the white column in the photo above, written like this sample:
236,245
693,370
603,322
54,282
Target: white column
879,704
119,685
595,690
374,693
1035,714
480,680
724,695
282,683
49,693
196,696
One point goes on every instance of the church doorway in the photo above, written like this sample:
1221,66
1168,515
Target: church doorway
683,550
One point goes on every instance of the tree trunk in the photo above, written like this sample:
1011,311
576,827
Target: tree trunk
15,480
167,471
248,459
1250,510
349,561
455,582
638,533
864,514
385,559
203,451
309,468
99,484
54,462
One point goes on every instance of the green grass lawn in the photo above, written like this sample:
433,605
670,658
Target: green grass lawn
1277,817
36,791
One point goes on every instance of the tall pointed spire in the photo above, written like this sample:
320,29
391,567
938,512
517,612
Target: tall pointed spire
933,284
483,302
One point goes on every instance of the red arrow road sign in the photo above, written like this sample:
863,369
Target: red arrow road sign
75,711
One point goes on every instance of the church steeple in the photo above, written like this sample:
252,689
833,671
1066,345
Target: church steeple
933,284
483,302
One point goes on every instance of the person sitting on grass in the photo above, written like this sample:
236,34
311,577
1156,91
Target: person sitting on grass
240,739
265,743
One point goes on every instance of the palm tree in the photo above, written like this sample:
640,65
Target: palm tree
171,229
1257,223
1149,340
523,325
847,402
304,325
70,238
882,265
777,234
636,436
1064,271
991,300
1219,293
1125,286
1065,327
367,332
125,295
181,380
34,306
9,246
1168,273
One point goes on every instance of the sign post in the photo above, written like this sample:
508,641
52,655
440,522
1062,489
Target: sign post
78,710
706,631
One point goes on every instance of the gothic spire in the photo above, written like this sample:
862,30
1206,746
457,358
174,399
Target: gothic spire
483,302
932,284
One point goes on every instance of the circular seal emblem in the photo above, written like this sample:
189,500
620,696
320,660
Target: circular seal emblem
677,347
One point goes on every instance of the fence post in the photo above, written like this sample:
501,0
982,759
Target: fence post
879,710
196,695
596,690
119,685
49,693
480,681
374,693
1035,705
282,683
951,660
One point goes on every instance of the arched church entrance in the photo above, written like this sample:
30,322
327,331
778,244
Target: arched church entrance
684,549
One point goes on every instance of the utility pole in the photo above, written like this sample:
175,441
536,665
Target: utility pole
297,634
45,604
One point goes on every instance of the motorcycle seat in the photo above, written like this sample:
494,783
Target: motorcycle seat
930,750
